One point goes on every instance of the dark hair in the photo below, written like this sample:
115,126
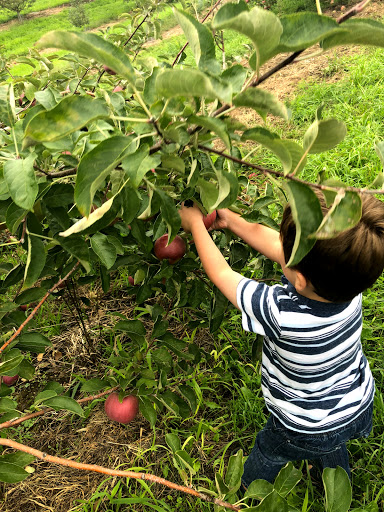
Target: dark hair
342,267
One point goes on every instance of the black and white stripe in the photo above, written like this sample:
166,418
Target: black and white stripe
315,377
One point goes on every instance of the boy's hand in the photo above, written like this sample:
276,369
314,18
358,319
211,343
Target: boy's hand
189,216
222,220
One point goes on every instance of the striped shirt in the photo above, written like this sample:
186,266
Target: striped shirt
315,377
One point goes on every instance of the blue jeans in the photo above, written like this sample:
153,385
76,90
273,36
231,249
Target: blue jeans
276,445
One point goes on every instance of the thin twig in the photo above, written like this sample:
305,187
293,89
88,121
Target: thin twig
36,309
136,29
17,421
291,177
115,472
202,21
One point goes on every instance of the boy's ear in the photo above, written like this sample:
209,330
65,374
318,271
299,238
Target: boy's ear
301,281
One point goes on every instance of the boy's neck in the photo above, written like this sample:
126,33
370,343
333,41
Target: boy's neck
309,293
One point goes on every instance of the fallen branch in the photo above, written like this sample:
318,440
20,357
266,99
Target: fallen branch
115,472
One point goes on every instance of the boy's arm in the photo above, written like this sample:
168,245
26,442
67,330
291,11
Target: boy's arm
265,240
214,263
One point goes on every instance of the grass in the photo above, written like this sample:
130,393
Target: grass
39,5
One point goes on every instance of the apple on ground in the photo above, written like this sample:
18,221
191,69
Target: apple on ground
131,280
172,252
118,88
209,219
24,307
122,412
9,381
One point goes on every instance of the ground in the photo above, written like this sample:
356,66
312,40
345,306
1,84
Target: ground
97,440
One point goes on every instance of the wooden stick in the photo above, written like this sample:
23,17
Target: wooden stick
115,472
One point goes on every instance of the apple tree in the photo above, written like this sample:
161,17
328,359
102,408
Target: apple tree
98,155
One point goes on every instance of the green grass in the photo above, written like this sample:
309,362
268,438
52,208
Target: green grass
39,5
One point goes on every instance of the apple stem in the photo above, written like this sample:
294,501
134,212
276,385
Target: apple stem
114,472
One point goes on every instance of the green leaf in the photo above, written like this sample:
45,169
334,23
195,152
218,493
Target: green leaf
138,164
338,492
222,488
6,404
262,101
7,105
14,216
307,214
70,115
134,329
104,249
259,489
6,307
234,471
324,135
12,473
273,502
91,46
20,178
147,410
200,41
33,342
78,248
273,142
49,98
94,385
64,402
192,82
173,442
344,214
357,31
10,364
304,29
31,295
260,25
95,166
19,458
190,395
287,479
218,308
87,222
35,259
169,214
212,124
26,370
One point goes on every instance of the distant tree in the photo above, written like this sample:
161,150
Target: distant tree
76,14
16,6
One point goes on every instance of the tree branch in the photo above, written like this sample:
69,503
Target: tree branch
17,421
115,472
36,309
292,177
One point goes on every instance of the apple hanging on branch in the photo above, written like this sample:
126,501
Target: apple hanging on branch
172,252
122,412
209,219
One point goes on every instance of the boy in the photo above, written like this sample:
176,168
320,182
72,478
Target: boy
316,380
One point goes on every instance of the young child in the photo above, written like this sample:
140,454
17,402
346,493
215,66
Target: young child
316,381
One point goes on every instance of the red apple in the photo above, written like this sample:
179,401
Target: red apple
21,97
9,381
118,88
172,252
66,153
131,280
109,70
209,219
124,411
23,307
